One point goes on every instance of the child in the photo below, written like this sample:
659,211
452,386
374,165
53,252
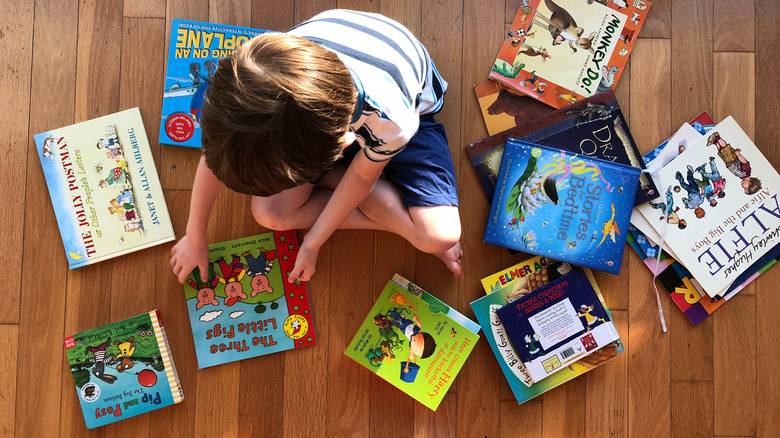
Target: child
306,121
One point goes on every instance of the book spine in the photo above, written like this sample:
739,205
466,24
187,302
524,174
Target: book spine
170,368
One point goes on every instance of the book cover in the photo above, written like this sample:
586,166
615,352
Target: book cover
194,51
104,187
560,205
247,308
594,127
557,324
509,284
503,108
123,369
563,51
414,341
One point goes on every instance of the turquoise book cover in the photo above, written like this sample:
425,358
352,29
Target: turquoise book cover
556,204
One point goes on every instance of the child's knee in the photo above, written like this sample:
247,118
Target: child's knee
439,236
270,214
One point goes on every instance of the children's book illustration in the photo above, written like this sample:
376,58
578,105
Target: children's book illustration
503,108
247,308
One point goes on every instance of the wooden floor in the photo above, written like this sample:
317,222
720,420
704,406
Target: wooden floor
64,61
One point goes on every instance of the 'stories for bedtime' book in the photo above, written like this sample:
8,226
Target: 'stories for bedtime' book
123,369
414,341
246,307
104,187
563,51
194,51
560,205
503,108
557,324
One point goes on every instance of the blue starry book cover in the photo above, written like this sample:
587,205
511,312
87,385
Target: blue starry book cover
561,205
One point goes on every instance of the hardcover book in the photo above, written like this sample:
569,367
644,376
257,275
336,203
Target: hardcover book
414,341
123,369
557,324
247,308
560,205
194,51
503,108
563,51
104,188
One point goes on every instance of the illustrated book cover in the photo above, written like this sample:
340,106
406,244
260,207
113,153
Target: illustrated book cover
571,208
193,54
563,51
123,369
594,127
503,108
247,308
414,341
104,188
510,284
557,324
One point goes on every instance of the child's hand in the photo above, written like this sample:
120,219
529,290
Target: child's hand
305,264
186,255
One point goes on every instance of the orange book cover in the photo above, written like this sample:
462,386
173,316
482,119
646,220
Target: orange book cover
503,108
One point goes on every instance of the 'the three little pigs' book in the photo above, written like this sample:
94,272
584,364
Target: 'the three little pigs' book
123,369
246,307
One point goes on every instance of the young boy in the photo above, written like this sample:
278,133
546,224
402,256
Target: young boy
306,121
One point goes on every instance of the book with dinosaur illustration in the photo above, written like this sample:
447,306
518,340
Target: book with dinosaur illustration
414,341
194,51
123,369
565,206
557,324
594,127
562,51
104,187
246,307
503,108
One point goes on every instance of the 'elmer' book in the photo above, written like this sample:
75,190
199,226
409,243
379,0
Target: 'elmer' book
571,208
123,369
563,51
247,308
194,51
104,187
414,341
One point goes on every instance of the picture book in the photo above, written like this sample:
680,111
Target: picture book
503,108
563,51
104,187
594,127
194,52
560,205
247,308
414,341
510,284
123,369
557,324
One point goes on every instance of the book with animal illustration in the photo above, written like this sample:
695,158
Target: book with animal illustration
557,324
594,127
562,51
414,341
194,50
510,284
503,108
571,208
104,187
123,369
246,307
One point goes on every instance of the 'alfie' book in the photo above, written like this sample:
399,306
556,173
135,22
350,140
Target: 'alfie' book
246,307
556,204
104,187
123,369
414,341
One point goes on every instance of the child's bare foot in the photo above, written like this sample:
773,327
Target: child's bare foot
451,259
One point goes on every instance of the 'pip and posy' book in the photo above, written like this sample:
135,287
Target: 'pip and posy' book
123,369
104,187
414,341
246,307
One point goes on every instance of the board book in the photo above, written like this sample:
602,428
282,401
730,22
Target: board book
104,188
247,308
503,108
194,51
560,205
563,51
123,369
414,341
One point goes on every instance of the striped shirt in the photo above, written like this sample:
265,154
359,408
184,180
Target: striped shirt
393,73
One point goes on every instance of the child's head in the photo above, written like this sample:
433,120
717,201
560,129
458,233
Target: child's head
276,114
422,345
682,224
699,212
751,185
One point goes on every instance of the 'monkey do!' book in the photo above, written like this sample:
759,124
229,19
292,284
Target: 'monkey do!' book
561,205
